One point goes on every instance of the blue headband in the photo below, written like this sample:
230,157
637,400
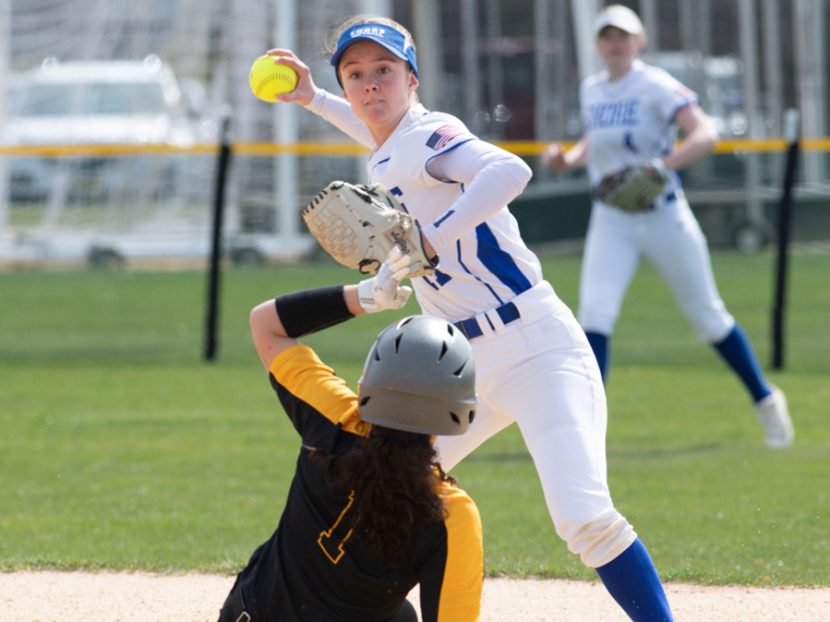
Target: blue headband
386,36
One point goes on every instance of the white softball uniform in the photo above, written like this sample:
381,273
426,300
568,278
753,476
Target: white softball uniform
533,362
630,121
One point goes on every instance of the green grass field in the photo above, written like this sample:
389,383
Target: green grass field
120,448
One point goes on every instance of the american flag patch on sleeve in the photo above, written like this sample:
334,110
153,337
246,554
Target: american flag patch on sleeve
443,135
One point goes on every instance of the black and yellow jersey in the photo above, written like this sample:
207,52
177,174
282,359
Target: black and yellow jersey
309,570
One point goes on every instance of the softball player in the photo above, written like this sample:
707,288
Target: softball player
631,112
533,362
349,546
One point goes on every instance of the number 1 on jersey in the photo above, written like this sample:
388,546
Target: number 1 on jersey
324,540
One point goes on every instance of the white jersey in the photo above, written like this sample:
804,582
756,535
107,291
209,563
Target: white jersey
533,362
484,263
490,264
630,120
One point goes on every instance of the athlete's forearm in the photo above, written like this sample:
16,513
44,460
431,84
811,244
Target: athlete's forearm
492,178
276,323
310,310
695,146
577,156
700,137
338,112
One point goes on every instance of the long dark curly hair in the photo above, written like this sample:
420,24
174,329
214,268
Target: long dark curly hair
396,479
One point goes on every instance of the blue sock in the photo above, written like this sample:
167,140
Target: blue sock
601,347
634,583
737,352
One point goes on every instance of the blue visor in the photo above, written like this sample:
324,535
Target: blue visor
386,36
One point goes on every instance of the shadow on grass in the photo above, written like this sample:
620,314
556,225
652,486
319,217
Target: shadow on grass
664,452
507,456
115,356
656,453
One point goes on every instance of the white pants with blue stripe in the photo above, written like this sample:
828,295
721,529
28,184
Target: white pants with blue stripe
540,372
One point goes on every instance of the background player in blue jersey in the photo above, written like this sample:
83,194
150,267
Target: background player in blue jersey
370,513
632,112
533,363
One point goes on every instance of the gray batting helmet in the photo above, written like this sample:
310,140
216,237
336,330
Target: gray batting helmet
419,377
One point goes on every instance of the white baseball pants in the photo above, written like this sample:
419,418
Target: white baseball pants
671,239
540,372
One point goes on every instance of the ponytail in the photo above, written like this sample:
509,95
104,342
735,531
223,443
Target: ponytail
396,478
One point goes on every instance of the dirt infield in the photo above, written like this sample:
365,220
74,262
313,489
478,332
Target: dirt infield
135,597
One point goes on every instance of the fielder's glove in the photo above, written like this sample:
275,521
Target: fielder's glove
359,225
633,188
383,291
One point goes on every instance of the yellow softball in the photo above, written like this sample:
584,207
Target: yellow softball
269,79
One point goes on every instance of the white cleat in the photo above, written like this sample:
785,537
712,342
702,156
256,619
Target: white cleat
775,417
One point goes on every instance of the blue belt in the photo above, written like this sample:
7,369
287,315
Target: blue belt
507,312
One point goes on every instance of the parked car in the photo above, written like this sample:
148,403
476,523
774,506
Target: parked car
107,102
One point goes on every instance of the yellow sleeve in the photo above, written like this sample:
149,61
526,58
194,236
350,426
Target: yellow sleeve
464,572
299,373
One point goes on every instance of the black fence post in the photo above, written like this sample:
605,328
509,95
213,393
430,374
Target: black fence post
214,273
784,220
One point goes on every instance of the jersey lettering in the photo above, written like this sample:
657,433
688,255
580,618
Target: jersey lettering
325,541
440,278
613,114
628,141
397,193
464,284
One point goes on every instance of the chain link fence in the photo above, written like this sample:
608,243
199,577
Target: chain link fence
111,111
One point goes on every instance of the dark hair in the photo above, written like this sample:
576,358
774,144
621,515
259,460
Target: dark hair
396,478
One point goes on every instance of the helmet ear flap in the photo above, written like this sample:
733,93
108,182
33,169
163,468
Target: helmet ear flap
419,377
